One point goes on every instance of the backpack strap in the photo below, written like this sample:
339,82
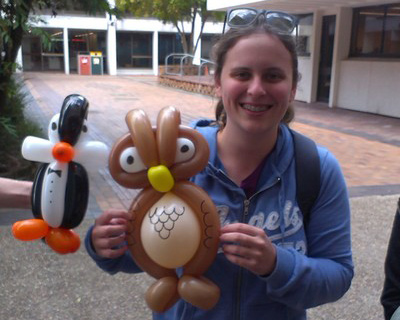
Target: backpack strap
308,173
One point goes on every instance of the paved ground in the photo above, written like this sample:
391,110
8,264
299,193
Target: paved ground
37,284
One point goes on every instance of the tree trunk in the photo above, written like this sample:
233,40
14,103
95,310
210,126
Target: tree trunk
8,66
20,13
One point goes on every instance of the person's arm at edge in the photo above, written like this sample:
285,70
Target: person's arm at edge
15,193
390,298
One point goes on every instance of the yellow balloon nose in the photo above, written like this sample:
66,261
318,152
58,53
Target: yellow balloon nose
160,178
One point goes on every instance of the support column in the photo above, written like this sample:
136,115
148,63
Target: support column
112,46
315,53
155,53
341,49
66,51
19,61
197,31
111,41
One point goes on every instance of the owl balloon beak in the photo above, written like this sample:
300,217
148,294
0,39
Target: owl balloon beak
160,178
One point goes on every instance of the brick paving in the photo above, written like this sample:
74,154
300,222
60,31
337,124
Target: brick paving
38,284
367,146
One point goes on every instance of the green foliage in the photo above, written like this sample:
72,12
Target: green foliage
44,36
8,127
173,11
14,127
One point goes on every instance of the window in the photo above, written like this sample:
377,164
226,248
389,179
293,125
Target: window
85,41
207,43
134,50
376,32
36,56
168,43
304,33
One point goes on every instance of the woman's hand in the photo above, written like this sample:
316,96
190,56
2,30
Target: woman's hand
248,247
109,233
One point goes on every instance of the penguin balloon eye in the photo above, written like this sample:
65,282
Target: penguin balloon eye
53,129
185,150
130,161
84,135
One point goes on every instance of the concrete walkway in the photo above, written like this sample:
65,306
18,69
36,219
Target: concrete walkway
38,284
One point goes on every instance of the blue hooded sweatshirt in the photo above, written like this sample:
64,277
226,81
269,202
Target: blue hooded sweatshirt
313,267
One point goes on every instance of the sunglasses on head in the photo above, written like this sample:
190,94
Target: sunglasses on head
244,17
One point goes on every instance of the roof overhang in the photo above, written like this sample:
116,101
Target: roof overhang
294,6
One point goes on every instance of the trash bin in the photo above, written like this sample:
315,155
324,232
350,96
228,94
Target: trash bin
96,59
84,63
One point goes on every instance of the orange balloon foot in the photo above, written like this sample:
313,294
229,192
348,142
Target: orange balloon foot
63,241
199,291
31,229
162,294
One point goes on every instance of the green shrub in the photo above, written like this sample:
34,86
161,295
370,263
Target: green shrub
14,127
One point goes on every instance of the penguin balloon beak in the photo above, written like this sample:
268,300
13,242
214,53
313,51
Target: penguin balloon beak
63,152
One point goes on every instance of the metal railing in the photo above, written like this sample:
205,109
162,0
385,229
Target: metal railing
171,68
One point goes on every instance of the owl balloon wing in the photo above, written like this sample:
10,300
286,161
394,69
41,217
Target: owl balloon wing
174,223
61,187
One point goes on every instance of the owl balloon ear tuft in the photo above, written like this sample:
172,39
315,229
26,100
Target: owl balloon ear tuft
61,187
174,222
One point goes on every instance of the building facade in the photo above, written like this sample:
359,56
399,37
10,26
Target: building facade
349,53
127,46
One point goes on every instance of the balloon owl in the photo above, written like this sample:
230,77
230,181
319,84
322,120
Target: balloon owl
61,186
174,222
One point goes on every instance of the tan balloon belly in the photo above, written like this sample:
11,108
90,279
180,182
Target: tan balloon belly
170,232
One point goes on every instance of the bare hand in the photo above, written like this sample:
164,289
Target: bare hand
109,233
248,247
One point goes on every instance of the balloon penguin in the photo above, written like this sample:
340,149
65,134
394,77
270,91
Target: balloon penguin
61,187
174,222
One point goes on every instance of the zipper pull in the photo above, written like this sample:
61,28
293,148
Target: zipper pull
246,206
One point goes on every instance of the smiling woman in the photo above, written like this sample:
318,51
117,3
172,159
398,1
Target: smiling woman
256,91
275,261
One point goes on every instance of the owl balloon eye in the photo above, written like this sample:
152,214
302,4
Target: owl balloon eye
185,150
130,161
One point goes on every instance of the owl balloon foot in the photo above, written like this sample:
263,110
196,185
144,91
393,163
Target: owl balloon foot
60,240
162,294
199,291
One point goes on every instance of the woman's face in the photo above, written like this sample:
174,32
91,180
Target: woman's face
256,84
